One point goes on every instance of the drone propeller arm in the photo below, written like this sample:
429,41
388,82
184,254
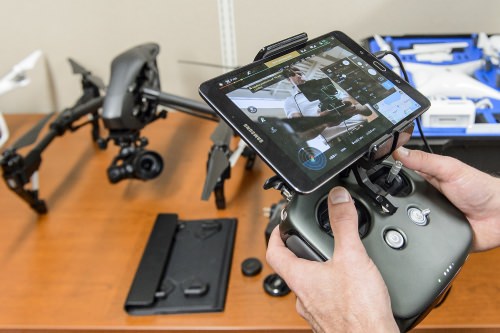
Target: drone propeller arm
182,104
18,170
65,121
57,128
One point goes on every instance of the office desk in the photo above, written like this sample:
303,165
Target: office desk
71,269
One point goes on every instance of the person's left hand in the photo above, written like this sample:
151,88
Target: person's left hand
344,294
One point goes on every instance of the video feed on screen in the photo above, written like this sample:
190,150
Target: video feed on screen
322,104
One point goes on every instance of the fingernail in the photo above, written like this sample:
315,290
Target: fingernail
403,151
339,195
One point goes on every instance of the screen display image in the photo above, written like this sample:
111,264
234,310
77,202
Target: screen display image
322,105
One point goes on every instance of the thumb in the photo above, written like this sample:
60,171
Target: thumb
343,220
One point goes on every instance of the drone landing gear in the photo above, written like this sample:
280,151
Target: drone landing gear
220,200
218,189
218,159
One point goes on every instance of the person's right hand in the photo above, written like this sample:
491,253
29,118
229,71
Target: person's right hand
475,193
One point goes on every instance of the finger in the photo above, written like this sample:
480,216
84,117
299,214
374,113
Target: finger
282,260
343,220
430,179
443,168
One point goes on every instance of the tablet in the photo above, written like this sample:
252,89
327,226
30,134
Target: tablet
312,111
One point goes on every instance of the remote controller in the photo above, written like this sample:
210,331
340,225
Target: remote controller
326,112
418,248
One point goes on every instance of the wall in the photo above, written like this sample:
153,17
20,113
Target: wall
276,20
94,32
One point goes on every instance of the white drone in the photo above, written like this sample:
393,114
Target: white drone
447,80
16,78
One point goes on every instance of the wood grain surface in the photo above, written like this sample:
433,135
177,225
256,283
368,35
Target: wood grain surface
72,268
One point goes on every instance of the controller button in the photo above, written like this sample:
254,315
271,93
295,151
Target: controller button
274,285
283,214
251,267
394,239
419,217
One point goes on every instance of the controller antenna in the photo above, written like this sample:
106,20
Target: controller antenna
393,172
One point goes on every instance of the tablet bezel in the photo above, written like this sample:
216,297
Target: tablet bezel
270,152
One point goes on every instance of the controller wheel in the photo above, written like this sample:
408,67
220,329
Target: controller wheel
364,220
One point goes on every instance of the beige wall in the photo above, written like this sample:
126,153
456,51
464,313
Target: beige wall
359,19
94,32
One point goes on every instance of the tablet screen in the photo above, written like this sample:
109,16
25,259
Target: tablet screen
321,106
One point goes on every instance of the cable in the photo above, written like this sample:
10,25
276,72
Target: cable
427,146
380,55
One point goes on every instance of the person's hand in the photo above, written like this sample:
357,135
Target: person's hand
357,108
344,294
475,193
353,107
303,128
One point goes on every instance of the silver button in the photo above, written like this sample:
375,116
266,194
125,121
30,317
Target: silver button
394,239
419,217
283,214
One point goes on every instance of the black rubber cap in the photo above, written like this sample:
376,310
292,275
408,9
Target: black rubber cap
251,267
274,285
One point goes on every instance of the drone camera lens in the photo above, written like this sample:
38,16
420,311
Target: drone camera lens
148,165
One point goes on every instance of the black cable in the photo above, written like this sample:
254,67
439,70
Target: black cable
427,146
380,55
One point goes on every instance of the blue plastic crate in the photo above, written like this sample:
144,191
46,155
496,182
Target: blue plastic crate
487,120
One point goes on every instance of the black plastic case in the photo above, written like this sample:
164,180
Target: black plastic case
185,267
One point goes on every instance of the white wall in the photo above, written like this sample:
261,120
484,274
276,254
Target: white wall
94,32
262,22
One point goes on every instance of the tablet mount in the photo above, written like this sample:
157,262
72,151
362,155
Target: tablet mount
417,239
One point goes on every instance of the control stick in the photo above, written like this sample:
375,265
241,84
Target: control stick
396,167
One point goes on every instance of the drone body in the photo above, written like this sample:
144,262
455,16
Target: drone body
130,72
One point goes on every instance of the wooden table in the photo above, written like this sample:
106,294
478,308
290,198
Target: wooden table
71,269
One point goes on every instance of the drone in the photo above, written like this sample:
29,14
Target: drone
16,78
128,104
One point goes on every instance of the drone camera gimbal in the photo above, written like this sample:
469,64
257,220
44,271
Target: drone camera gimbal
131,103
